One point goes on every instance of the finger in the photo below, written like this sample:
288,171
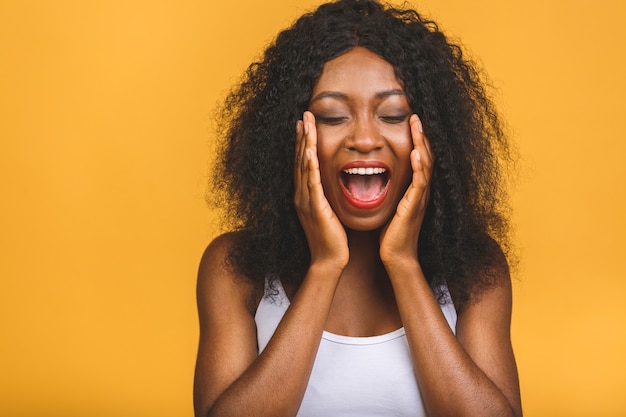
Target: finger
421,144
421,178
306,148
314,177
316,190
418,137
302,197
411,203
299,136
310,130
419,175
298,156
299,145
420,128
303,144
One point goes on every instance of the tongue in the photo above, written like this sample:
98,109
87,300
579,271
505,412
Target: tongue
365,187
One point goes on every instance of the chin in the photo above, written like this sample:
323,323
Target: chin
364,224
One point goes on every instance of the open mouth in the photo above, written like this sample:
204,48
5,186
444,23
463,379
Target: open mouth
365,186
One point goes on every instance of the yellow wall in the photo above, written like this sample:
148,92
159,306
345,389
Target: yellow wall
105,120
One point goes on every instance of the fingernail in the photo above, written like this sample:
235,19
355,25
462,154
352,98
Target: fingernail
306,129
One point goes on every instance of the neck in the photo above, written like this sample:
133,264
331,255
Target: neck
364,257
364,302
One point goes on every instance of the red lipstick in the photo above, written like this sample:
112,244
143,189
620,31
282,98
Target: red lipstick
364,183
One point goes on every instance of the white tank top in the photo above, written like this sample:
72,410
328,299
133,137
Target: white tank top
354,376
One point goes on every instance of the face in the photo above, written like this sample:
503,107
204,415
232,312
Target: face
364,139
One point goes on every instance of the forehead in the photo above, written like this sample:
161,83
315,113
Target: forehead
357,69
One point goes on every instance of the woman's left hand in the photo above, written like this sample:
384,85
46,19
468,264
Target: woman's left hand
398,239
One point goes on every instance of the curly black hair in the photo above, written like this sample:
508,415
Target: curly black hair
466,224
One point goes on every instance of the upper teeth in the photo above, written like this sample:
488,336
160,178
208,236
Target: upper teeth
364,171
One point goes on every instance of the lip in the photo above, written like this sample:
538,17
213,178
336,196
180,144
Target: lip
362,204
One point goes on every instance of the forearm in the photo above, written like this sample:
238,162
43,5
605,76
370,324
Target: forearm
443,367
275,382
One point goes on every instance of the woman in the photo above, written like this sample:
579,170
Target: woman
367,272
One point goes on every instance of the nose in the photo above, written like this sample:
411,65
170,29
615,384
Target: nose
364,137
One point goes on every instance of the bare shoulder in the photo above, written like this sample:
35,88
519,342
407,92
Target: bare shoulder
492,298
491,276
219,278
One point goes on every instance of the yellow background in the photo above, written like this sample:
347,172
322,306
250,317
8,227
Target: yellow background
105,128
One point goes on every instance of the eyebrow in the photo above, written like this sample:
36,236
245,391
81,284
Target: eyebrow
341,96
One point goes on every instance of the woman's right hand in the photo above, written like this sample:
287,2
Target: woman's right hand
325,234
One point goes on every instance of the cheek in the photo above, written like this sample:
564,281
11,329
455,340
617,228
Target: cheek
403,149
326,150
398,136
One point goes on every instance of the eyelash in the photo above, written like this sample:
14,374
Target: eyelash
331,120
394,119
338,120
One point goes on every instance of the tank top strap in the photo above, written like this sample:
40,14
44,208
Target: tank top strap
270,311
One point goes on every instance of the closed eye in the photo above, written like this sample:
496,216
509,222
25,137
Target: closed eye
394,119
330,120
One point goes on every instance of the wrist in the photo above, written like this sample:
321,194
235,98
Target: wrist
402,266
328,268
